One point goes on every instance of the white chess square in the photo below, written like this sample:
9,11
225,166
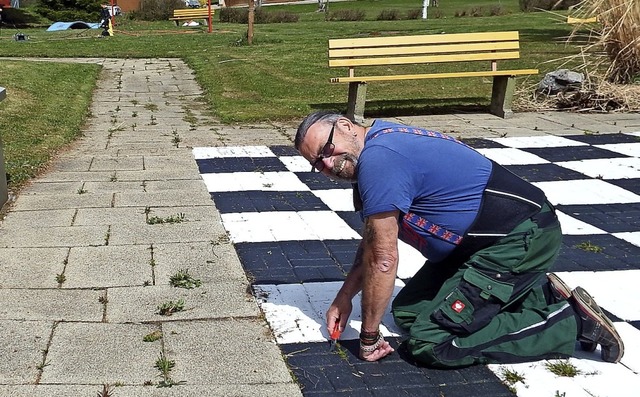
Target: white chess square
586,191
261,181
542,141
608,168
511,156
231,151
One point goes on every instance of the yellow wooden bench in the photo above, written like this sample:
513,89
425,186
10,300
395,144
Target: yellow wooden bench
186,14
489,48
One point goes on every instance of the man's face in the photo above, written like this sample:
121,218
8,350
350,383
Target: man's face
330,149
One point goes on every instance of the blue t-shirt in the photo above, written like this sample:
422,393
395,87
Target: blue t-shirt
432,176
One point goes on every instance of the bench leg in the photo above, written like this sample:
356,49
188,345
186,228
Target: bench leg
502,95
356,101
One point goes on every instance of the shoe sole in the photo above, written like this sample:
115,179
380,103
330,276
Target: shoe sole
559,285
591,309
565,292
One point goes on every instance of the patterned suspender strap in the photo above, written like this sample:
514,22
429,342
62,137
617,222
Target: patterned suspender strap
416,131
432,228
416,220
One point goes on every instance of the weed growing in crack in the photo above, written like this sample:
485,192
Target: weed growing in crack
134,102
168,308
43,364
103,300
61,278
152,337
183,279
82,190
511,378
165,366
153,120
563,368
341,351
589,247
134,114
176,138
107,391
151,106
156,220
113,178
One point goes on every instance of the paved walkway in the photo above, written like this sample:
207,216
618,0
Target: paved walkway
84,269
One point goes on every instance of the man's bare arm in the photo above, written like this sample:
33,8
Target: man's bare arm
379,267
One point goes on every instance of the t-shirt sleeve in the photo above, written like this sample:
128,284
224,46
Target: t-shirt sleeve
386,180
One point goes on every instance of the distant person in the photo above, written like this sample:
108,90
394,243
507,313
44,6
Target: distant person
489,237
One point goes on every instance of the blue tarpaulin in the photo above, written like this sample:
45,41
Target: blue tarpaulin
72,25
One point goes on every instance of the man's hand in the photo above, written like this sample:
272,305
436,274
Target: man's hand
383,350
339,313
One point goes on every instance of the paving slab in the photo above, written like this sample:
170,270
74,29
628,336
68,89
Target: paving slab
108,266
212,300
82,199
21,348
109,216
98,353
53,188
49,390
162,233
56,236
41,219
31,267
216,352
206,261
161,199
51,305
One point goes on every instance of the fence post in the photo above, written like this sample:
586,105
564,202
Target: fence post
4,192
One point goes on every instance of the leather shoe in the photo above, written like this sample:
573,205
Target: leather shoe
561,291
596,327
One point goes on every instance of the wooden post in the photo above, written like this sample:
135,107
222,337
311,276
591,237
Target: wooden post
252,6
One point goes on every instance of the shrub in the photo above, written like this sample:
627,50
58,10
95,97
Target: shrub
347,15
241,15
415,13
234,15
388,15
496,10
156,10
537,5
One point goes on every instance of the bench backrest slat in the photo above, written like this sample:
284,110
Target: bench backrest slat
424,39
423,49
457,47
487,56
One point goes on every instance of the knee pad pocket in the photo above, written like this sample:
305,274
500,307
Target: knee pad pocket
473,303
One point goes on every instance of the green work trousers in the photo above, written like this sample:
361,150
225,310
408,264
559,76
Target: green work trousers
492,308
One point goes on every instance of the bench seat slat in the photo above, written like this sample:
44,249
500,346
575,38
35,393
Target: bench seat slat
423,49
423,39
488,56
488,73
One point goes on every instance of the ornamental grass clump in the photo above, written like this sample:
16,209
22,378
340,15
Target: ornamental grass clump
613,43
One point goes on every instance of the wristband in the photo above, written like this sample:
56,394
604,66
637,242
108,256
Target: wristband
371,348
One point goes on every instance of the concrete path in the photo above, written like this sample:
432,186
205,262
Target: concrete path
87,251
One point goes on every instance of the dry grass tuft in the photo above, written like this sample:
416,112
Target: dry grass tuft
613,44
609,59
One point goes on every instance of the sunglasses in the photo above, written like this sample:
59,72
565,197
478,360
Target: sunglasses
327,151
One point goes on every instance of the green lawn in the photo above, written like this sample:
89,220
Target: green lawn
282,76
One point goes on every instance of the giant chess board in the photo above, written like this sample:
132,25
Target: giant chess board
296,234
